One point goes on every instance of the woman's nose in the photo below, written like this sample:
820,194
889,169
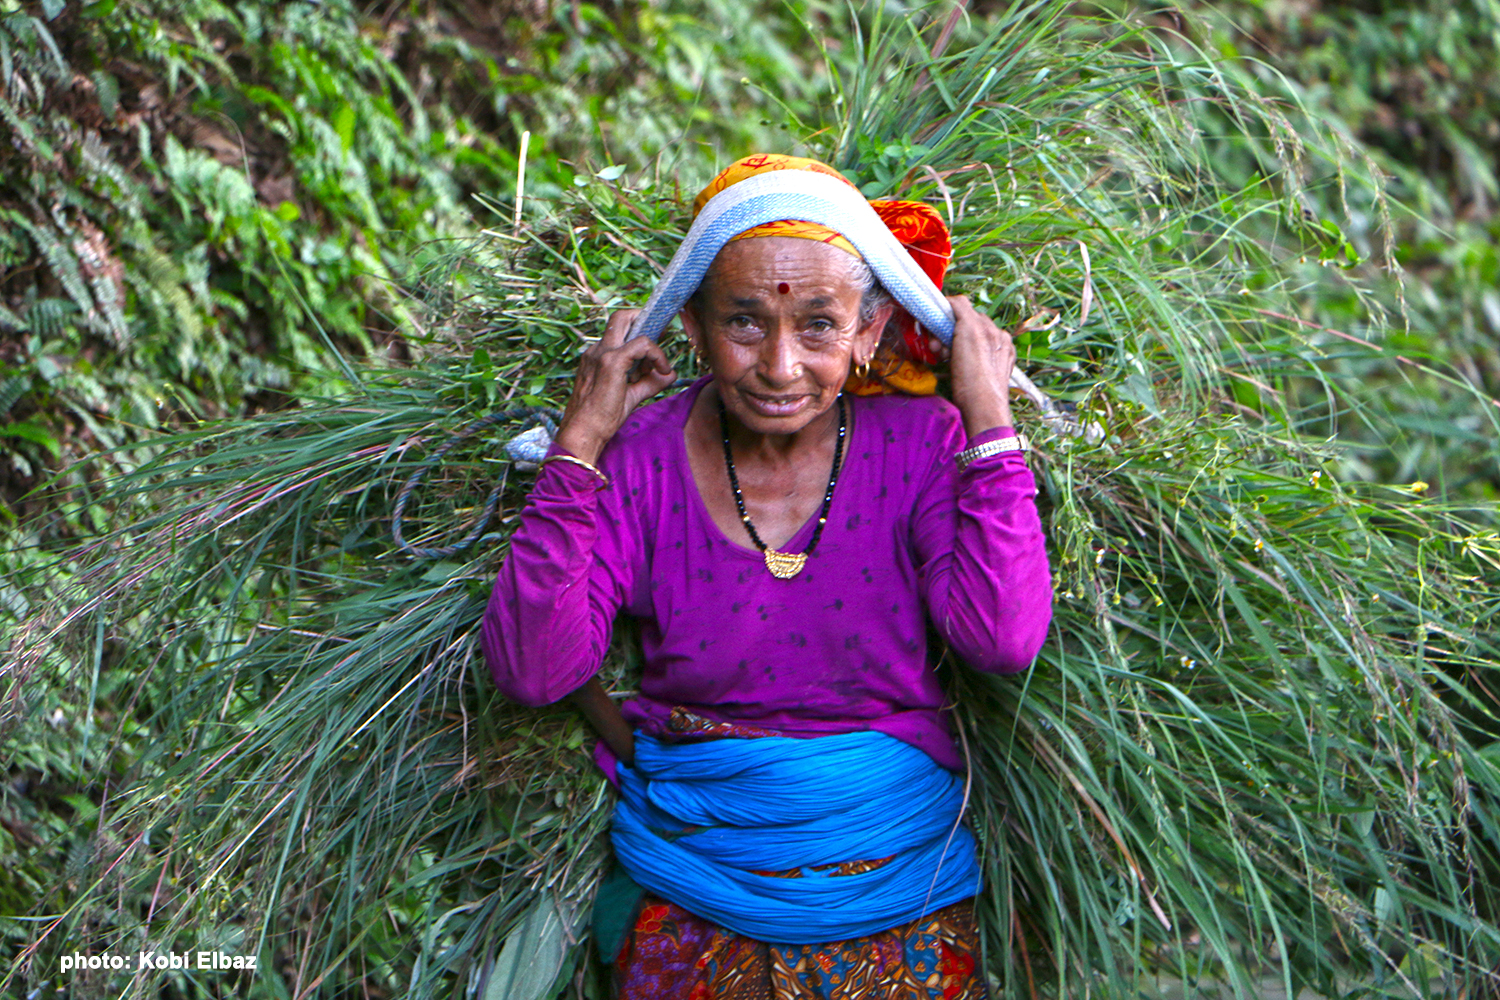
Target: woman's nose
779,361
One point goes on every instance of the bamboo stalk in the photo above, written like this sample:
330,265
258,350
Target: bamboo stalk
521,176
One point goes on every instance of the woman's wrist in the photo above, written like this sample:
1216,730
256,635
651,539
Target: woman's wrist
580,444
994,434
979,418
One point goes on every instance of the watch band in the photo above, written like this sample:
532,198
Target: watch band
969,456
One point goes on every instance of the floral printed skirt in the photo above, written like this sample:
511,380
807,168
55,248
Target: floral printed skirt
673,955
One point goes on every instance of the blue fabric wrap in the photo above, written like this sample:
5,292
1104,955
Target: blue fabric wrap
695,819
808,197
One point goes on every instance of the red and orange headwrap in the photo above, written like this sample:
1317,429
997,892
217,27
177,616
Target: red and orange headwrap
917,226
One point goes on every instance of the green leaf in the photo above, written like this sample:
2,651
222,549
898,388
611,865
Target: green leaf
441,572
11,391
84,809
33,432
532,955
343,124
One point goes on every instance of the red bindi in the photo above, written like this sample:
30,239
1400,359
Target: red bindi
783,288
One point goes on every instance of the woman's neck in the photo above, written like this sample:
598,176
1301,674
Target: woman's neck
782,477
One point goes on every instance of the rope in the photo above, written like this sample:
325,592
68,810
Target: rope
531,416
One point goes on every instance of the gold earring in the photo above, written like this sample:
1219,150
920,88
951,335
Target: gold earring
863,369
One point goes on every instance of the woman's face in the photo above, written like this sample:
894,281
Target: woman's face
777,321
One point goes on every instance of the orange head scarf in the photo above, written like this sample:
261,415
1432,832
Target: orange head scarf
918,227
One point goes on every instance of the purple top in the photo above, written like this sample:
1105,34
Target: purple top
840,647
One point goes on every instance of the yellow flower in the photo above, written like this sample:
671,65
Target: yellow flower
1418,487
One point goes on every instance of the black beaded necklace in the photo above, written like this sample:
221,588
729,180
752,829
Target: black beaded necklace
785,565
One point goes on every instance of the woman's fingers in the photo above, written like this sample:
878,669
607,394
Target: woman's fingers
625,358
649,384
617,326
970,320
646,368
636,361
657,357
614,377
982,357
974,329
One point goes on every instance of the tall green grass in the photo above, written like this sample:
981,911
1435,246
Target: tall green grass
1260,740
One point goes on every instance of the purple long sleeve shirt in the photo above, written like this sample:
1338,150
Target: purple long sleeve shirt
840,647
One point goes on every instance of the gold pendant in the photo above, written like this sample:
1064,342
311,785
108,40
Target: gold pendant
785,565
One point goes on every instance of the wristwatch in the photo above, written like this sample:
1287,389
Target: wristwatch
969,456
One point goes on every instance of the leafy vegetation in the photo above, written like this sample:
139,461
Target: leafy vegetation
202,236
1416,87
1261,742
206,204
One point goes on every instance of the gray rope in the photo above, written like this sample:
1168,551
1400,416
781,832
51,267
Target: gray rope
530,416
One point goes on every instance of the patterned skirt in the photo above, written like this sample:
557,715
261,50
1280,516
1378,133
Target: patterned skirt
673,955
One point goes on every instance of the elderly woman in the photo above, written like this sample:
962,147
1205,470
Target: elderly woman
791,823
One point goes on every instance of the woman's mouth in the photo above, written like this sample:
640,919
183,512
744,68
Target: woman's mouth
776,406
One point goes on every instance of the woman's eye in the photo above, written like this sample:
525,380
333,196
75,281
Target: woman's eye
742,327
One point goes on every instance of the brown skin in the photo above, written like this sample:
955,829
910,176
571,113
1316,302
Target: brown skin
778,362
614,377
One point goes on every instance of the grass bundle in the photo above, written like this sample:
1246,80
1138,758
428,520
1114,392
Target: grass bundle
1261,737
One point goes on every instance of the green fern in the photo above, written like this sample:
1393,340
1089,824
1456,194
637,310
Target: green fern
10,322
64,264
51,318
11,391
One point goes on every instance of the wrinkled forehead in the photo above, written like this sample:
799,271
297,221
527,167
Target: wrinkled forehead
803,266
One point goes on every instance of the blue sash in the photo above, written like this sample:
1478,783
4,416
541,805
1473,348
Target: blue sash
695,820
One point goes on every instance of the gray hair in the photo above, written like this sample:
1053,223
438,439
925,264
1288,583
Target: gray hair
872,294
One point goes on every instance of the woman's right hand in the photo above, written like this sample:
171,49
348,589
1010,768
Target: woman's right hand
614,377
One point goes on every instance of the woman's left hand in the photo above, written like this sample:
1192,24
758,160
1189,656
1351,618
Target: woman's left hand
982,356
